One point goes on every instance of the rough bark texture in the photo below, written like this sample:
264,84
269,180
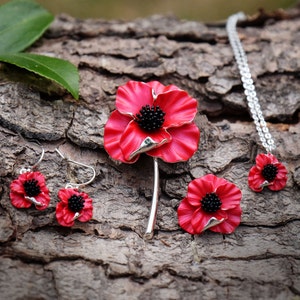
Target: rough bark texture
108,258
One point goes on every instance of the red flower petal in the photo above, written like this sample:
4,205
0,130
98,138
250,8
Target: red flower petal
216,181
44,199
17,186
184,144
280,180
113,132
18,200
88,203
261,160
63,215
229,195
87,212
37,176
180,108
65,194
160,88
255,179
233,220
133,139
185,214
132,96
197,189
264,159
201,220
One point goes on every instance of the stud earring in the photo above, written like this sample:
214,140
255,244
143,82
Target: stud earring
211,203
30,188
74,204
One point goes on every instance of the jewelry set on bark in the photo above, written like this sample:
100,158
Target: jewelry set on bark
158,120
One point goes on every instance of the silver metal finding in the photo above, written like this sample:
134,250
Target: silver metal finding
77,185
34,201
30,169
249,88
155,196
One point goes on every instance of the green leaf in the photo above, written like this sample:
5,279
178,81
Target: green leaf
61,71
22,22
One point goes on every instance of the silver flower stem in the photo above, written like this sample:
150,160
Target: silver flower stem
155,197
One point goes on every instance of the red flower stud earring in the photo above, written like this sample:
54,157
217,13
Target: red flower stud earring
156,120
211,203
30,188
74,204
268,172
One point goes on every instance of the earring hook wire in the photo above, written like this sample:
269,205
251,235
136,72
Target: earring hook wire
30,169
41,157
77,185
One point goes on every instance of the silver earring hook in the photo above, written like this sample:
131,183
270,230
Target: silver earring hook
30,169
41,157
77,185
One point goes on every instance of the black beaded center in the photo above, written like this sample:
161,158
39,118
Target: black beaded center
75,203
269,172
150,118
211,203
31,187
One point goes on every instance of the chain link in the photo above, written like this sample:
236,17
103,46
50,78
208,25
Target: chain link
246,78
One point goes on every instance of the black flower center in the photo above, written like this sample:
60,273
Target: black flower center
31,187
211,203
75,203
269,172
150,118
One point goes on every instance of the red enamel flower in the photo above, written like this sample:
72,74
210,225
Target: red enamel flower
268,172
29,188
73,205
154,119
211,203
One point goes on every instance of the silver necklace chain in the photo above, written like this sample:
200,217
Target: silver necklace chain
246,78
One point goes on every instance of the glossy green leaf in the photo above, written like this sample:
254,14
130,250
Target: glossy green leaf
22,22
61,71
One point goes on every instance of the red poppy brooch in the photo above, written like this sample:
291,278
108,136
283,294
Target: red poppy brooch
29,188
211,203
156,120
268,172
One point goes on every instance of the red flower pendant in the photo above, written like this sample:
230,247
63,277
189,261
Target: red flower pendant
30,188
211,203
74,205
154,119
268,172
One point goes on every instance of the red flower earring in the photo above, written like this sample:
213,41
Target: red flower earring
268,172
211,203
30,188
74,204
154,119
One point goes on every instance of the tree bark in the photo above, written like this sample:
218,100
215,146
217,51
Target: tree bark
107,258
